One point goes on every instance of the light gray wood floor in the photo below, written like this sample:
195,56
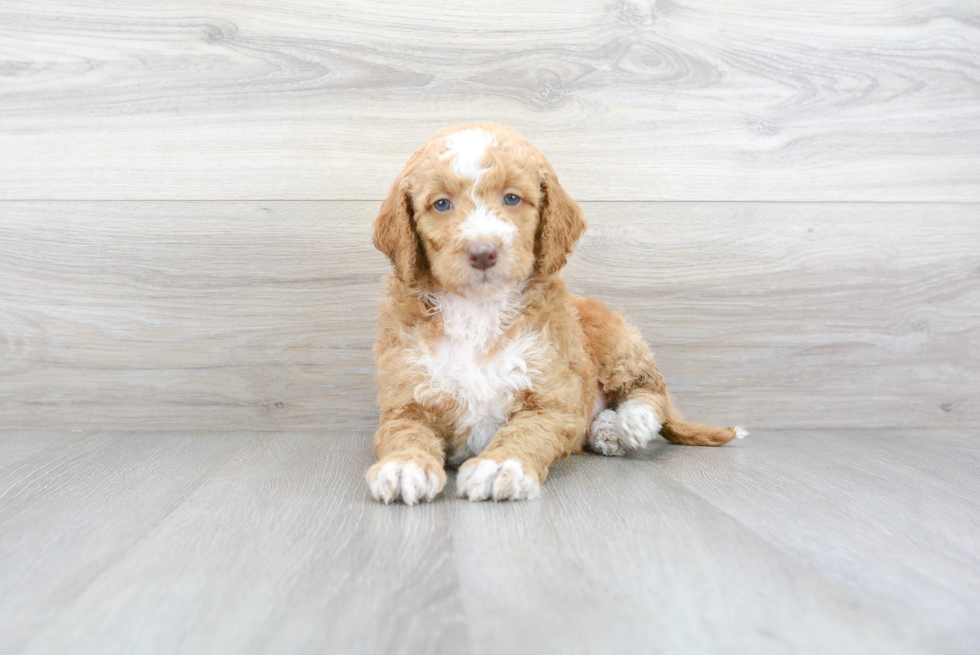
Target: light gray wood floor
791,541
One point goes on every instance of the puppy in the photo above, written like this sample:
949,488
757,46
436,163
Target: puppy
485,360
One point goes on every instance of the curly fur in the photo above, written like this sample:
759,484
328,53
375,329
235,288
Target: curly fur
500,370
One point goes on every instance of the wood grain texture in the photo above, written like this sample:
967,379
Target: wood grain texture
262,315
684,100
862,491
70,511
282,539
814,541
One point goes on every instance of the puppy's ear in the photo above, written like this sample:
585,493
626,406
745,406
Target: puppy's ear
394,233
561,226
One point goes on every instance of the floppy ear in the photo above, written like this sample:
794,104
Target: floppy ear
561,226
394,233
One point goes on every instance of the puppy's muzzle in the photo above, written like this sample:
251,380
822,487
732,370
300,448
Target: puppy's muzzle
482,255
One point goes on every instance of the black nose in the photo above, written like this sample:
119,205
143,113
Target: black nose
482,255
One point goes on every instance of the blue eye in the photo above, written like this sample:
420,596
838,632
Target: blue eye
511,200
442,205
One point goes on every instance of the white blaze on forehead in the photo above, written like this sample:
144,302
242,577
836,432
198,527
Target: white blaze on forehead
468,148
483,224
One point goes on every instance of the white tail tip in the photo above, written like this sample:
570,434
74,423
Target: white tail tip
741,432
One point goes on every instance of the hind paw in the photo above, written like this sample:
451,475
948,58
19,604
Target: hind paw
636,424
602,435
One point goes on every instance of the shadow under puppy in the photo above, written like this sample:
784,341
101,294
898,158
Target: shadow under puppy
484,357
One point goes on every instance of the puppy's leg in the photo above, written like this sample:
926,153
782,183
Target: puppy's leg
604,434
410,462
516,462
632,384
645,412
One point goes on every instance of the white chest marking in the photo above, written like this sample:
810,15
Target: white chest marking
483,383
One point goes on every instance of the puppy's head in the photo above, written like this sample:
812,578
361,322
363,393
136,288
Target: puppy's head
479,209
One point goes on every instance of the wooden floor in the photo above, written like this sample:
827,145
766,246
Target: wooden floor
790,541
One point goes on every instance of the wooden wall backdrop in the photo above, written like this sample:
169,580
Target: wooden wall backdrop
785,197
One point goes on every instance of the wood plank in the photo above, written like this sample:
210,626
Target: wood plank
802,315
751,100
618,557
20,447
858,504
261,315
804,542
280,550
232,316
72,509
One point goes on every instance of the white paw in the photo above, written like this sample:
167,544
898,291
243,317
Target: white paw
636,424
602,434
482,479
402,480
741,432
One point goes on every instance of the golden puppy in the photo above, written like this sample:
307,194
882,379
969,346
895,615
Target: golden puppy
485,358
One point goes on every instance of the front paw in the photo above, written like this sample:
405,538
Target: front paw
409,480
482,479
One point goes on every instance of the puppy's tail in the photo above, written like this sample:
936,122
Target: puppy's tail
676,429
